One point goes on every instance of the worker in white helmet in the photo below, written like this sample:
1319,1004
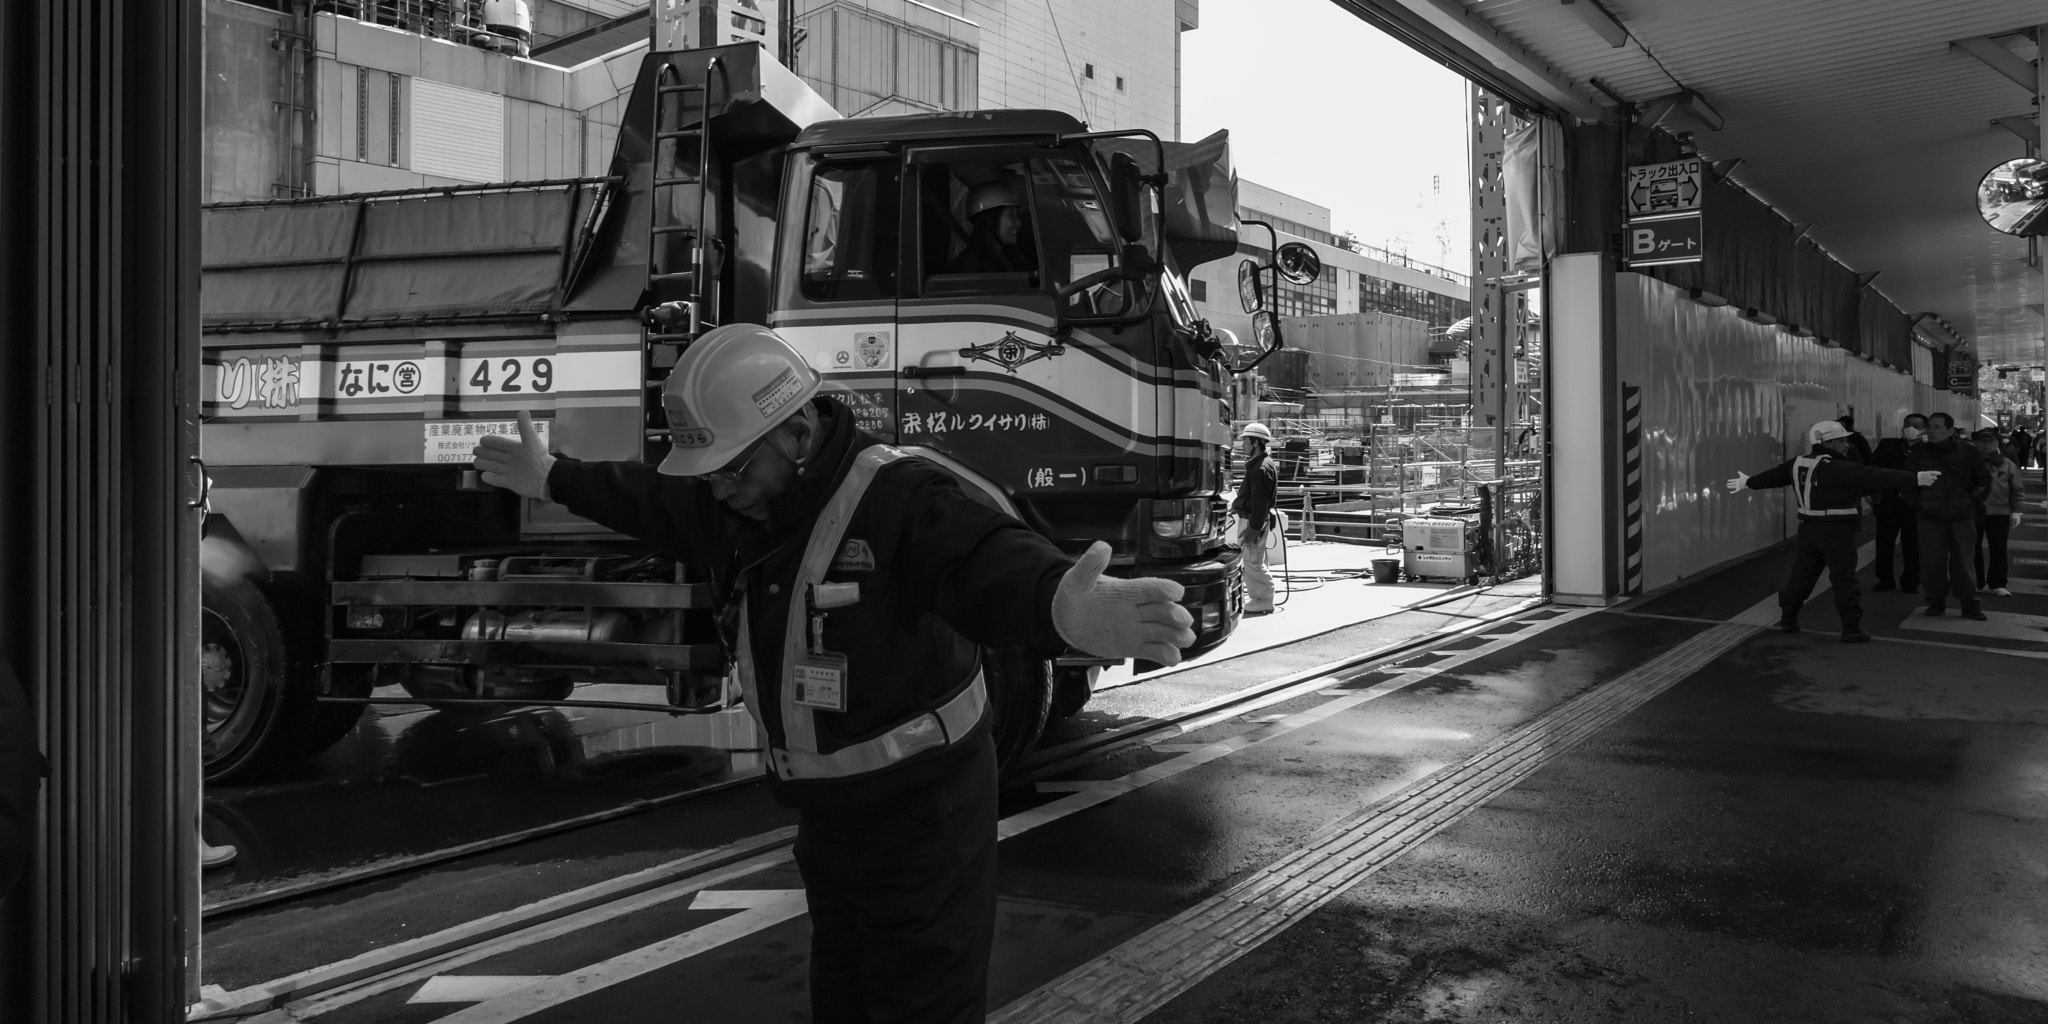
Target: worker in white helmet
860,584
1828,485
997,241
1254,508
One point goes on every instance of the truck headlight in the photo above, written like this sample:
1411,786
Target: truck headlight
1181,518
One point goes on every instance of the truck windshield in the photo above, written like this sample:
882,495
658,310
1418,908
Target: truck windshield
1023,224
849,239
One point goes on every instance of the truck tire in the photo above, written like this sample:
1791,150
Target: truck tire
1019,696
256,709
1070,692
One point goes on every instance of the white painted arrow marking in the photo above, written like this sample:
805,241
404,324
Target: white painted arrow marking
472,988
759,909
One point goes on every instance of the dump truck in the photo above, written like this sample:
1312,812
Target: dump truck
357,346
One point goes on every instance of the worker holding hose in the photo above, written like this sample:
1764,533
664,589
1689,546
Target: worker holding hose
1254,508
859,584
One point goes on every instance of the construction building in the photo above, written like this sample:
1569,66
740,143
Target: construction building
1357,278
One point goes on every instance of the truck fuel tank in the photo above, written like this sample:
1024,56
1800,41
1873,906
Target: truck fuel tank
557,625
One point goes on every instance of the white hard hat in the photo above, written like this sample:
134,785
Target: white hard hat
730,388
989,195
1257,430
1827,430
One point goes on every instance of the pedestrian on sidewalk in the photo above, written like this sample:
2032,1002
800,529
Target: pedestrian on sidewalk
1254,508
858,585
1947,515
1828,485
2022,447
1897,527
2001,515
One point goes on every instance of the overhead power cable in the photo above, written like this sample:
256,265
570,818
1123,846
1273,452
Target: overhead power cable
1053,16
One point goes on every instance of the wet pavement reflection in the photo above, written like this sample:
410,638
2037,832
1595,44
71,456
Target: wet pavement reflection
413,781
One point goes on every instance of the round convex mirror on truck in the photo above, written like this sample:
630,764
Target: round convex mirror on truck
1298,263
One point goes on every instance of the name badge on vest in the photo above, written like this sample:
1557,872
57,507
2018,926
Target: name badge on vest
820,681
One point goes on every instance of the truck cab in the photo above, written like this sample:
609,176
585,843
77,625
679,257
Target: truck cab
988,289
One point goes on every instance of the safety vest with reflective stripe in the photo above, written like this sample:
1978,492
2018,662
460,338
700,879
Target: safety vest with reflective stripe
1804,469
797,757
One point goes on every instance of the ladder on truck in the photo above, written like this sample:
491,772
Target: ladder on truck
673,132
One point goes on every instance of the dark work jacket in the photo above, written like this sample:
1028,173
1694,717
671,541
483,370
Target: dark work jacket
1859,447
1838,482
20,776
1964,480
949,573
1255,496
1890,453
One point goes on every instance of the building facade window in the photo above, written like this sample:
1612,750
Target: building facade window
1119,83
1087,71
749,23
1317,298
1198,290
1376,295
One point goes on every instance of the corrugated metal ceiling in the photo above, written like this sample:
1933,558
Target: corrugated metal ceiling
1855,117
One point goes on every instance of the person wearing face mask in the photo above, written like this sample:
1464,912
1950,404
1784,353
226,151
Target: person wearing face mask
1947,515
2001,515
1897,527
859,583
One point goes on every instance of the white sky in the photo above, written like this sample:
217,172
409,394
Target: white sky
1324,106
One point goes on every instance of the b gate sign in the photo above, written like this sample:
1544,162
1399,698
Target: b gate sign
1661,203
1665,240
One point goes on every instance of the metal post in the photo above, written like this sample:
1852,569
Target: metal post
100,124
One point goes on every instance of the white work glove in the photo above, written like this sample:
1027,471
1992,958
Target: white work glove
1929,476
520,464
1737,482
1115,618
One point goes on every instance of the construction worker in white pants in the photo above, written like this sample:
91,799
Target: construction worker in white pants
1254,506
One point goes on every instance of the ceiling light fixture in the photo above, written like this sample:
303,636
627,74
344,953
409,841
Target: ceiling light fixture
1597,19
1686,102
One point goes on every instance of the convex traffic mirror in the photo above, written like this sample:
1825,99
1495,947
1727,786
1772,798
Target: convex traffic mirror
1298,263
2013,195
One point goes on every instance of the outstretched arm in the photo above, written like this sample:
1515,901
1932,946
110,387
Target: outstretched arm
1776,476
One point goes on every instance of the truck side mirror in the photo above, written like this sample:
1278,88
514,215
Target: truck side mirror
1127,191
1250,292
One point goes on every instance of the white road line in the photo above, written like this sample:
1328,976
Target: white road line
504,930
1147,972
328,1002
758,909
472,988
